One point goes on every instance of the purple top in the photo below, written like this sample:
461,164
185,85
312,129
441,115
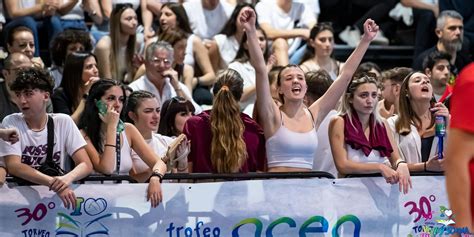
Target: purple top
198,131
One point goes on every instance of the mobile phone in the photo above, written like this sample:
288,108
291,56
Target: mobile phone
101,106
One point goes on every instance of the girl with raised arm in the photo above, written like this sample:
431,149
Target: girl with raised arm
290,129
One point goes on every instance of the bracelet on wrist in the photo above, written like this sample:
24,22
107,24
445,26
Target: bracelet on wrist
398,163
157,174
110,145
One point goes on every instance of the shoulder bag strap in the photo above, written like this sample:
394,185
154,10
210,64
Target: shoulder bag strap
117,152
50,127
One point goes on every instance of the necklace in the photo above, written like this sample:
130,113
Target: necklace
38,129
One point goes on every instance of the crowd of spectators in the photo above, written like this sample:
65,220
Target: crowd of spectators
145,87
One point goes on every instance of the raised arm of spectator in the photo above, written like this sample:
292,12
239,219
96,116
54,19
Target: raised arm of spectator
328,101
266,106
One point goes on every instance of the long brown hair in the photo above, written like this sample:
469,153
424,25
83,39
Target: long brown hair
228,148
115,28
406,115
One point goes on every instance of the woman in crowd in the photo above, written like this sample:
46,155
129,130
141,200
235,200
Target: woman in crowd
319,51
174,113
100,12
413,128
81,73
360,140
290,129
174,16
110,141
118,53
220,142
144,110
20,40
247,72
64,44
223,49
35,15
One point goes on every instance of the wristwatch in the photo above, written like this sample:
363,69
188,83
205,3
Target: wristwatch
157,174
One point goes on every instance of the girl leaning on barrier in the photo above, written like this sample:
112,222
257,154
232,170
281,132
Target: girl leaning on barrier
361,142
110,141
413,128
144,110
290,129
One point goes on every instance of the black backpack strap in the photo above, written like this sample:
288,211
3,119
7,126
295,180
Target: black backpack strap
50,127
118,152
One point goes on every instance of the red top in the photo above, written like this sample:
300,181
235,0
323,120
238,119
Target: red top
462,112
198,131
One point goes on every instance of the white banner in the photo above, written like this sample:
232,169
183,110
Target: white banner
283,207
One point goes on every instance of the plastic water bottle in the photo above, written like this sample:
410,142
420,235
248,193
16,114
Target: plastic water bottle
440,132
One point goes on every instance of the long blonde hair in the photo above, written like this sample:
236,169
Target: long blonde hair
115,29
228,148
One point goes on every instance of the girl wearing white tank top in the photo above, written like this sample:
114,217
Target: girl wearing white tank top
104,134
361,141
292,89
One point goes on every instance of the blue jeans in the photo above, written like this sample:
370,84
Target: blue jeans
52,25
74,24
298,55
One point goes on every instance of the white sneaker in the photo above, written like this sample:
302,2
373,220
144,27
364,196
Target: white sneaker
380,39
351,37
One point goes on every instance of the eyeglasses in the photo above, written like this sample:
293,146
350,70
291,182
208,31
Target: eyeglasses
177,99
157,60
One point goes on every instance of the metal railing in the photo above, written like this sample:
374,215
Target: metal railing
205,177
209,177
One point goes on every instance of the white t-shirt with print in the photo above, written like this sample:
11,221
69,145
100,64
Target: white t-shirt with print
32,147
